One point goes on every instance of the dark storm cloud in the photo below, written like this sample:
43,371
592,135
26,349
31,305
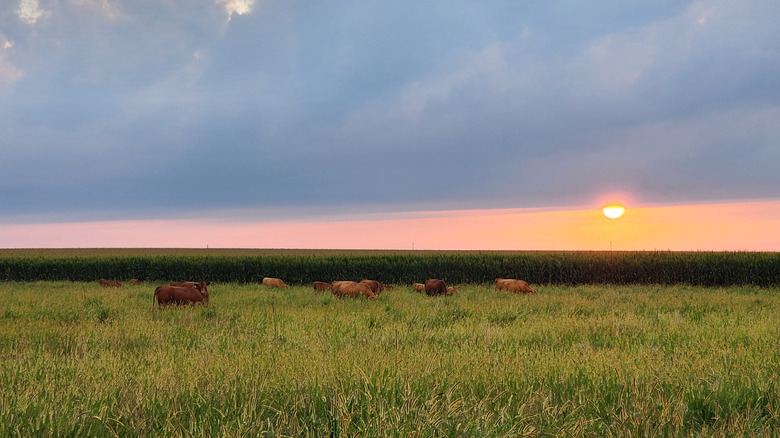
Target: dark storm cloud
121,109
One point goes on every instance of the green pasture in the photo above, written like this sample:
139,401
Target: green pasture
642,360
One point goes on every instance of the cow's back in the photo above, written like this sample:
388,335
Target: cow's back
274,282
184,284
503,283
435,287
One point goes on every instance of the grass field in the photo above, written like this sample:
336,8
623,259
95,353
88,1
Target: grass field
79,360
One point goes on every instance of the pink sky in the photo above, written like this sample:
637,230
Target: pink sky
751,226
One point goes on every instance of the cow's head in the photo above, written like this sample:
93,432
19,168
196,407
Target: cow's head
202,287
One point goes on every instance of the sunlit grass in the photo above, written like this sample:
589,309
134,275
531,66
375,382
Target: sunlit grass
606,361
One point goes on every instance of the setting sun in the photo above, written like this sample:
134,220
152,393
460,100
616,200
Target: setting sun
613,211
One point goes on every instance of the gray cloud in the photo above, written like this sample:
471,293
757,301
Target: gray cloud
118,110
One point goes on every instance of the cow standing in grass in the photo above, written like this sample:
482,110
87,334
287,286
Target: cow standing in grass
513,285
274,282
435,287
351,289
167,295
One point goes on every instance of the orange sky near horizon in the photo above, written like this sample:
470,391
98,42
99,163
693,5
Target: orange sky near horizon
736,226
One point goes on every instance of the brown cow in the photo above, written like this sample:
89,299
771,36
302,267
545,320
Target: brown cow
165,295
274,282
135,281
376,287
109,283
352,289
452,290
319,285
419,287
436,287
513,285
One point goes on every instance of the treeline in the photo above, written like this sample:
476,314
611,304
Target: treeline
568,268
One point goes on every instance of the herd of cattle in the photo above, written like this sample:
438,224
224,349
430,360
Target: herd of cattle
193,292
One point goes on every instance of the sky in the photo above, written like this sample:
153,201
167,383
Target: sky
364,124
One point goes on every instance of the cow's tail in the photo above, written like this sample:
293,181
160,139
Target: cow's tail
154,298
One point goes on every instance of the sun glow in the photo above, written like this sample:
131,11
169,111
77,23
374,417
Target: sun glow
737,226
613,211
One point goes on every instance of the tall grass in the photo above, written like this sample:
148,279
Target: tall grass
573,361
302,267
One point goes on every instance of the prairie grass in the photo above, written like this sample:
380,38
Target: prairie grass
79,360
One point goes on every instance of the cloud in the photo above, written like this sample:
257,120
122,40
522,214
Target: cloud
723,155
8,72
30,11
238,7
369,105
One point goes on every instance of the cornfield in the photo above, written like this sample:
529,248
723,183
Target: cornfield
303,267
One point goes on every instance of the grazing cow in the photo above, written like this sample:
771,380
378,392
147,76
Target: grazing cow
419,287
376,287
452,290
274,282
109,283
135,281
436,287
319,285
352,289
513,285
165,295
